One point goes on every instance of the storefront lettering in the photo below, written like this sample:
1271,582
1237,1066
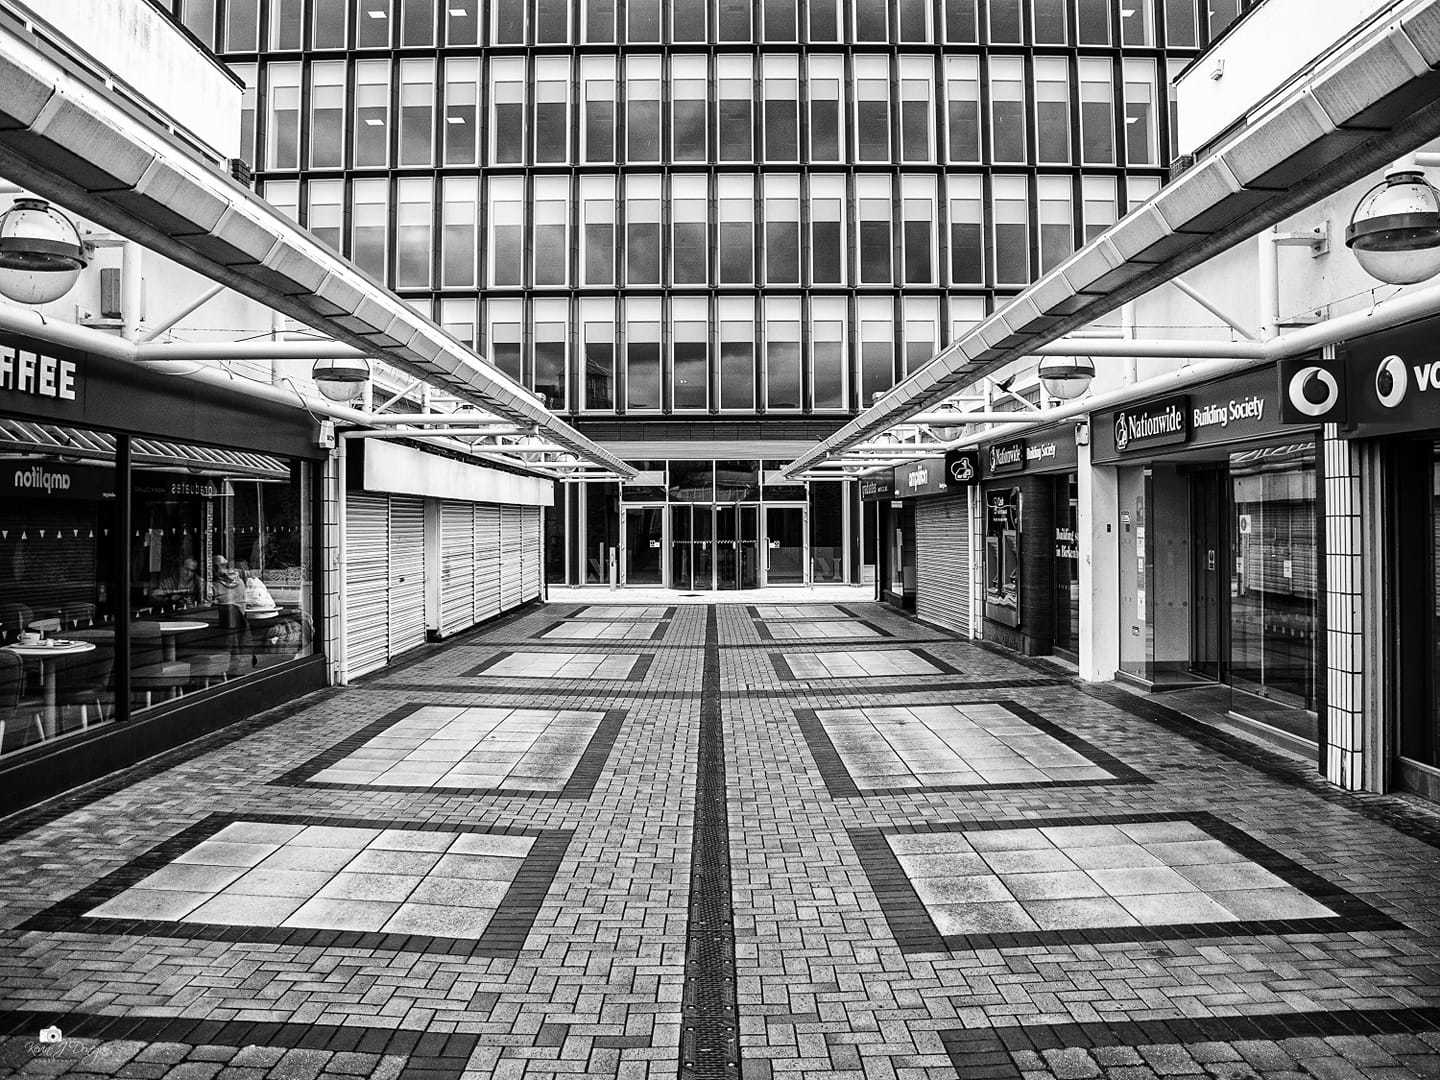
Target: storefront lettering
1250,409
1006,455
1159,422
36,374
917,478
1039,452
1067,545
36,478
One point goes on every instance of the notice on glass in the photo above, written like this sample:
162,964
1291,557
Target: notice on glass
1140,604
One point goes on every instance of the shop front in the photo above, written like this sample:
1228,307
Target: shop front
158,556
1030,552
1219,552
944,540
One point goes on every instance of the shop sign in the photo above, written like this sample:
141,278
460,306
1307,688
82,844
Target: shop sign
1006,457
962,467
176,488
55,480
28,378
1313,391
875,488
1067,545
920,478
1158,423
1389,381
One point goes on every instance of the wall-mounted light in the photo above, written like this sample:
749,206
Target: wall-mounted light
946,432
1066,377
41,253
342,378
1395,229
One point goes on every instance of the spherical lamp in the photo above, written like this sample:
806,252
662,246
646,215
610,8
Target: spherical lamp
946,432
341,378
1065,378
1395,229
41,253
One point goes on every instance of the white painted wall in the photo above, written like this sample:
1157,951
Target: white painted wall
404,470
1276,40
148,54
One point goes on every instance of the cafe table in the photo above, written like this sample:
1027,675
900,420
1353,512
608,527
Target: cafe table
170,629
45,653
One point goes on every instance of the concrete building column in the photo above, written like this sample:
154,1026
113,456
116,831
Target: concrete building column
1099,569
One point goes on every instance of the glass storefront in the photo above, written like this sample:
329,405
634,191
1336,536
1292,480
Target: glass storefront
213,581
1002,555
1067,565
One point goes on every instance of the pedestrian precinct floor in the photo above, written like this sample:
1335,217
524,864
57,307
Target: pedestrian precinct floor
733,840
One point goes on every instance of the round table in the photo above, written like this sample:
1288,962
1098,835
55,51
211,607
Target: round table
169,630
50,719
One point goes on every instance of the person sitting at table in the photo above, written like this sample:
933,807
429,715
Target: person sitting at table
228,595
181,586
257,595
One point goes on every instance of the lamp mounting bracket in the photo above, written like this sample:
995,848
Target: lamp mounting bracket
1317,239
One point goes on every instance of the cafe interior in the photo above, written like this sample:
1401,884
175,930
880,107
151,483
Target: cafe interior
211,574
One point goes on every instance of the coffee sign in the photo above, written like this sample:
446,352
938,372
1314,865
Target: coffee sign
28,377
927,477
1156,423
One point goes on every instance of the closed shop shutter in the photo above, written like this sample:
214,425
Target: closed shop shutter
487,562
457,566
942,562
534,552
512,549
367,582
407,574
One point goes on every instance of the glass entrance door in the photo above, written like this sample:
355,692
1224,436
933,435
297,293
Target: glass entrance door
785,545
644,545
691,547
737,547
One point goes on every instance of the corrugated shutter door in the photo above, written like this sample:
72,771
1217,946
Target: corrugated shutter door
367,583
487,562
512,548
457,566
942,562
534,554
407,574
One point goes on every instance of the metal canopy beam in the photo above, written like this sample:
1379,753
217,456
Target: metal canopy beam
1373,99
65,137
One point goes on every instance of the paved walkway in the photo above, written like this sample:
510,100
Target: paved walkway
754,840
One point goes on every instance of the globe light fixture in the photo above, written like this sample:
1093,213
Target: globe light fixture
1066,378
1395,229
946,432
341,379
41,253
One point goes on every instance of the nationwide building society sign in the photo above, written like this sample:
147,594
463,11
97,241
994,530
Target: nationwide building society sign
1157,423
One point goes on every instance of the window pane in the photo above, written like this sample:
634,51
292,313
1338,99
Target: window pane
687,20
599,83
1007,109
734,20
327,115
919,240
370,217
877,351
642,231
551,328
417,108
506,338
872,119
1093,21
372,24
372,112
915,115
782,231
507,112
782,119
737,363
507,231
690,245
242,25
1057,227
600,21
597,195
782,355
552,21
1052,110
598,320
325,216
417,25
457,267
551,249
1097,113
287,25
1100,207
1005,21
871,22
328,24
461,119
967,232
642,118
552,122
642,355
914,20
283,149
1012,232
779,20
642,19
737,234
1180,23
413,229
1049,16
963,101
462,22
875,240
1136,25
688,111
507,22
962,24
691,355
457,318
824,20
827,231
827,352
734,119
1141,136
824,118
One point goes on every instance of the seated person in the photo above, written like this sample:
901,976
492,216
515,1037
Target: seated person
257,596
181,585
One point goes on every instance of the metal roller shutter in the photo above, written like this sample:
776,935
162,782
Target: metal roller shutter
942,561
534,544
457,566
367,583
487,562
512,549
407,574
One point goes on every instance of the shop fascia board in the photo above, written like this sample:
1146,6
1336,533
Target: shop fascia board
1372,99
65,141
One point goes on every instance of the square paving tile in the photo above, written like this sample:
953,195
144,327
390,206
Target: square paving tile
820,630
859,664
605,666
453,750
1020,883
453,890
604,630
998,744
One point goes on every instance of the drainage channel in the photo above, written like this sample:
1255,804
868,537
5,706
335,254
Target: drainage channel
710,1025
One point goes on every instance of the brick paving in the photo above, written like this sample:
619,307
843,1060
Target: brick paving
984,924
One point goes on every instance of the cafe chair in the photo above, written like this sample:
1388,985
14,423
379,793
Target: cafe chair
208,668
86,679
151,672
14,619
16,714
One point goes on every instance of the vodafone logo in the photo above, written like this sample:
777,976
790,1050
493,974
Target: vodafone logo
1313,391
1392,381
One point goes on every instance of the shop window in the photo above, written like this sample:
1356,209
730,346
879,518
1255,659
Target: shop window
505,337
737,353
1052,110
552,110
1057,221
1092,21
689,107
602,530
824,20
688,21
1005,26
507,111
417,111
1067,565
782,230
733,107
506,215
642,230
690,230
827,532
414,228
782,108
550,332
1097,113
829,365
600,21
690,353
325,212
782,353
872,109
962,24
827,230
372,24
779,20
877,347
550,241
552,22
642,109
327,115
282,149
736,204
462,118
242,25
597,321
372,113
916,110
462,22
967,230
826,129
597,214
369,226
642,355
1007,109
597,75
872,194
962,105
1002,555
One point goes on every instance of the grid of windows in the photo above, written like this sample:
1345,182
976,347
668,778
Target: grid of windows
679,205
